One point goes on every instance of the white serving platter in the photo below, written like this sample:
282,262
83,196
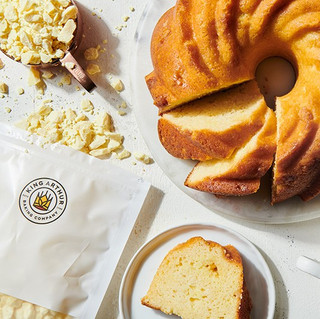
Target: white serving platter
255,208
145,262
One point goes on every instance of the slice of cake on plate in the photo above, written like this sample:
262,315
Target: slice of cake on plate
200,279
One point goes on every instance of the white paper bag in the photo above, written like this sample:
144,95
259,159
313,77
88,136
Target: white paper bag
65,218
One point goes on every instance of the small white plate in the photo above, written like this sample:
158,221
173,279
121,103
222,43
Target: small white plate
144,264
255,207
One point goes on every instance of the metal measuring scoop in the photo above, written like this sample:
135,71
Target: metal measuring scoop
76,70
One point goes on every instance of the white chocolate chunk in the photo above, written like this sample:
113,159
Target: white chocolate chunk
20,91
69,13
124,154
143,158
92,53
86,105
66,34
118,85
4,88
34,31
93,69
96,137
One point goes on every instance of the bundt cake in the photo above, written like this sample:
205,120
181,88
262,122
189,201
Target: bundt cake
200,279
201,47
239,174
214,126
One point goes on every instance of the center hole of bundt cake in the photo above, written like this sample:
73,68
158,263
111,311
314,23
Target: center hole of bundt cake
276,77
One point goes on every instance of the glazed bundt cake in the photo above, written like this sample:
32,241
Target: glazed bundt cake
200,279
214,126
200,47
239,174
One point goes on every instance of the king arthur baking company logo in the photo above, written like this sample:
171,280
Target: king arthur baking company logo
43,200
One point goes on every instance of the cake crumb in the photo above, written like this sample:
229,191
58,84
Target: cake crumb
7,109
1,64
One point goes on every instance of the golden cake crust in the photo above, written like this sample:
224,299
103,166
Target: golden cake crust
183,134
217,44
227,187
241,174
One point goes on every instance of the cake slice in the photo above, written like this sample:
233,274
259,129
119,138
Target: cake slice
214,126
200,279
240,174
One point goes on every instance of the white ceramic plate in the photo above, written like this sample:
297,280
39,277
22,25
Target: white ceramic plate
144,264
254,207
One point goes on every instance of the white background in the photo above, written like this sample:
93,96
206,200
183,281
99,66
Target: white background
297,293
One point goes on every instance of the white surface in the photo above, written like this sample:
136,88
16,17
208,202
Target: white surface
142,267
167,206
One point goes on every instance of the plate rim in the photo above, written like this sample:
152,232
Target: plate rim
269,277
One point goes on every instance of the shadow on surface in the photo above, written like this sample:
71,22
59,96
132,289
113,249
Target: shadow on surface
96,32
110,308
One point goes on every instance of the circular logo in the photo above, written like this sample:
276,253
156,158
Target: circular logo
43,200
